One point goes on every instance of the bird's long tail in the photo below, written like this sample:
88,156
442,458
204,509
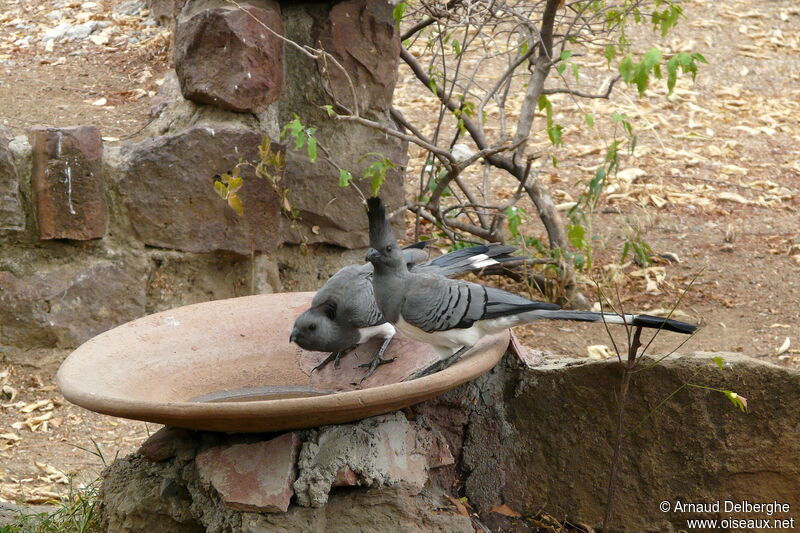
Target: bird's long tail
646,321
470,259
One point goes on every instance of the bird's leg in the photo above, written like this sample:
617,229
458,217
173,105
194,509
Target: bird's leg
377,359
441,364
334,356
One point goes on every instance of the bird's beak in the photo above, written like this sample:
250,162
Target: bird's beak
372,255
293,336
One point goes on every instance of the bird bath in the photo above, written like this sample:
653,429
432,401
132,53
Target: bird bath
228,365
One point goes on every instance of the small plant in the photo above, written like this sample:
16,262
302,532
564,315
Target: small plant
632,363
78,513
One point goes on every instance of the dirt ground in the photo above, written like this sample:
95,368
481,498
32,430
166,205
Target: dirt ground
715,180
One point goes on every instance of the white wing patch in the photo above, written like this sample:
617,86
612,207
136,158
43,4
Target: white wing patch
384,330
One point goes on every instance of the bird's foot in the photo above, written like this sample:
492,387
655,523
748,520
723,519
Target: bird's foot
334,356
439,365
373,365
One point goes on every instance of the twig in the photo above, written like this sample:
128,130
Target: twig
633,349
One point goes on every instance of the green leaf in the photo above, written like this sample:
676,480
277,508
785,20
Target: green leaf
344,177
577,235
566,54
221,189
236,203
738,401
575,71
328,109
610,53
555,134
523,48
626,68
579,261
589,118
651,58
515,216
719,362
456,46
398,12
312,148
235,184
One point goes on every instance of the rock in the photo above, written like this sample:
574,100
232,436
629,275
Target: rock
137,495
253,477
330,214
382,451
169,442
371,60
67,182
226,58
364,510
66,32
165,11
67,304
175,279
166,184
132,8
12,217
544,439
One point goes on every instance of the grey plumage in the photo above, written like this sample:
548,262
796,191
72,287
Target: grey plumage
452,315
344,314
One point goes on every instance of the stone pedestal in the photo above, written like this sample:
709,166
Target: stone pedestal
516,442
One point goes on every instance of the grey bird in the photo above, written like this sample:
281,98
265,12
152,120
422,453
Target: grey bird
452,315
343,313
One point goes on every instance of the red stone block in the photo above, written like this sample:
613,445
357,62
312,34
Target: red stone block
67,182
253,477
363,37
225,57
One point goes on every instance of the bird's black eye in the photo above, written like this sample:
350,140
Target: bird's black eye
312,327
389,248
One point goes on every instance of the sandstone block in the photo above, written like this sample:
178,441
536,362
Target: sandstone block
167,186
65,305
12,217
226,58
67,182
363,37
253,477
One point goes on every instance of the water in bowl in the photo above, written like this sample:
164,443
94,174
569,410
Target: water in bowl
259,394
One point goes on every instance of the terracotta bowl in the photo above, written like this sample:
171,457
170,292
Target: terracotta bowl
228,365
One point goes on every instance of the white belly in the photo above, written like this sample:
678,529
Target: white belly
444,342
385,331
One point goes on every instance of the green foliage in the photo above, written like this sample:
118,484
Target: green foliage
637,248
302,136
686,62
270,165
515,216
376,171
565,63
227,186
344,177
398,12
554,131
640,73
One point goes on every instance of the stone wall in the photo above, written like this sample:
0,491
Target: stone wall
94,234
